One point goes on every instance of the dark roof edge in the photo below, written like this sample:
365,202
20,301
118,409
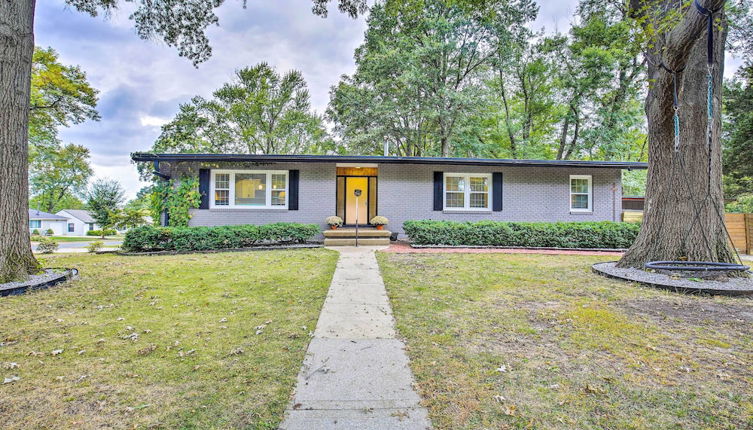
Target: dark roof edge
148,156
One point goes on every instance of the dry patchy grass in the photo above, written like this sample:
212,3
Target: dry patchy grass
538,341
162,342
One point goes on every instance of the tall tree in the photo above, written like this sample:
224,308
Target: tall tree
738,136
259,112
684,187
57,175
104,200
420,71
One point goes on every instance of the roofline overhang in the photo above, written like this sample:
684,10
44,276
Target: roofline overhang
298,158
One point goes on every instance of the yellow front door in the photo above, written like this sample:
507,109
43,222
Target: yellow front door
351,215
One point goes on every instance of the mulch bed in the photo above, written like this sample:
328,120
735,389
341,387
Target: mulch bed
739,286
49,278
406,248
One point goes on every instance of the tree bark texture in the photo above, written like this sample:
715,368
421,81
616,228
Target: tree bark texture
16,50
684,210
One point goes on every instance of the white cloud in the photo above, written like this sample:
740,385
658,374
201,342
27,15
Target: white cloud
152,121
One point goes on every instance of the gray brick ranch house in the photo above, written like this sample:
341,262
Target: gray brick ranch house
261,189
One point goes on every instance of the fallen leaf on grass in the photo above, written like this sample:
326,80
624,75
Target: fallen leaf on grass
11,379
592,389
10,365
236,351
511,410
57,351
147,350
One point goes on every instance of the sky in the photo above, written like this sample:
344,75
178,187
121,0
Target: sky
142,83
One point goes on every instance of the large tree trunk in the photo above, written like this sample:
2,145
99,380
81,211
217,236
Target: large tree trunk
678,181
16,50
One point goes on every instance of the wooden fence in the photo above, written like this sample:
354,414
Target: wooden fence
740,227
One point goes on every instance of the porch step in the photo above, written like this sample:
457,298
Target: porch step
365,241
351,233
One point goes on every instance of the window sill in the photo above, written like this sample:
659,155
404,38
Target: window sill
466,211
259,209
581,212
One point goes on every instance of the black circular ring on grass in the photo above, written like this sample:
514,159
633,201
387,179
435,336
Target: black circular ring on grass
695,266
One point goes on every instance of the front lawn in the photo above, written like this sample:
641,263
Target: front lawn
538,341
189,341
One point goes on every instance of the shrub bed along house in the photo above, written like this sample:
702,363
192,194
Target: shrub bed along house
150,239
604,234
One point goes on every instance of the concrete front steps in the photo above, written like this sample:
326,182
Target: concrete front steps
347,237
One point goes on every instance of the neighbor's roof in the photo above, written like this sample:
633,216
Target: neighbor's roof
147,156
37,214
82,215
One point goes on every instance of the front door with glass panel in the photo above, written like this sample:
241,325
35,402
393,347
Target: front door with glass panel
356,209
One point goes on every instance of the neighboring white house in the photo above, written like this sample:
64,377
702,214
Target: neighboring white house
43,221
78,222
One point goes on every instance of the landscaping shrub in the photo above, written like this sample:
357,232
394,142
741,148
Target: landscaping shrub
49,232
47,245
108,232
95,246
149,238
605,234
35,232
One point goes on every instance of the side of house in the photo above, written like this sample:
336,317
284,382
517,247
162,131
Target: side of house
79,221
261,189
43,221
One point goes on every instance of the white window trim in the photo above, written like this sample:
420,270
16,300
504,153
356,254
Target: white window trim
590,193
467,194
231,198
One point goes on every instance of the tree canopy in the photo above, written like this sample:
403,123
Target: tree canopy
258,112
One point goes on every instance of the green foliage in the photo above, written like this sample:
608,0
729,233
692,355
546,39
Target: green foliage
60,96
148,238
634,183
49,232
103,201
58,177
175,197
131,217
743,204
102,233
604,234
259,112
47,245
418,82
35,232
95,246
738,135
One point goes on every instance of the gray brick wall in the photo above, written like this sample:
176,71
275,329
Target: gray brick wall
406,193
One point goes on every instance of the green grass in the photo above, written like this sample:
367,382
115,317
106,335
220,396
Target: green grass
579,350
77,238
196,362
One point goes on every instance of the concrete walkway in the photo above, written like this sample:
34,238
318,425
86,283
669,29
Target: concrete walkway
356,374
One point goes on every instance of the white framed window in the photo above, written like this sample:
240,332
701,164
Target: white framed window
467,191
581,193
35,223
249,189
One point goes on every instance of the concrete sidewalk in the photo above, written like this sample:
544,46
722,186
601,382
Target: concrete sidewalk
356,374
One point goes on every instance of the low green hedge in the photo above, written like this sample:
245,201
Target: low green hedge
605,234
149,238
108,232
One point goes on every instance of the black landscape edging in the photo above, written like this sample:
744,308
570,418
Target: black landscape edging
674,288
214,251
68,275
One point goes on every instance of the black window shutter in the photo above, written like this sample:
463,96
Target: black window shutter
204,188
293,189
438,187
496,191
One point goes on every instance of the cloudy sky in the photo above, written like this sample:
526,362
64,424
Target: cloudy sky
141,83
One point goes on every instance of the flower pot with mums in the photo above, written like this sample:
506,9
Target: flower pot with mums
334,221
379,222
